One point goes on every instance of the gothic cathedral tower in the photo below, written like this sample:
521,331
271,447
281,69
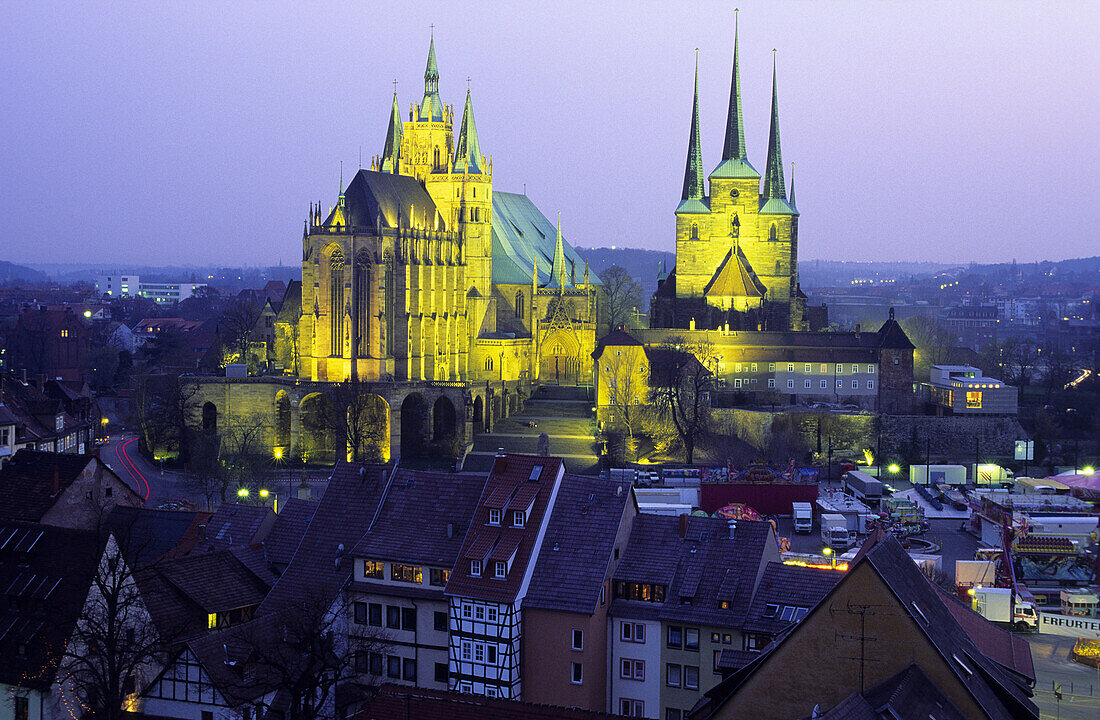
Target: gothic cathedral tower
736,247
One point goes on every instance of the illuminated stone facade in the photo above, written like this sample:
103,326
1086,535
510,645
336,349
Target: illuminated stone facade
736,243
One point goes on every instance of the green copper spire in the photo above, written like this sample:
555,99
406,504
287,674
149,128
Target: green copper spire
557,271
431,107
734,146
467,152
391,153
773,173
791,201
693,172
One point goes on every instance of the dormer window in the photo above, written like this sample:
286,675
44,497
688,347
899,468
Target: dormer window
60,422
494,516
372,569
500,569
771,610
518,518
475,568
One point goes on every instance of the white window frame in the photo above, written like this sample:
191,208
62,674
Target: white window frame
754,367
475,568
494,516
576,673
771,382
824,384
577,639
490,614
790,384
500,569
519,517
790,367
809,369
871,369
806,384
479,612
870,384
771,367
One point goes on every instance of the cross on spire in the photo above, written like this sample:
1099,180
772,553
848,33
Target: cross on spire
395,86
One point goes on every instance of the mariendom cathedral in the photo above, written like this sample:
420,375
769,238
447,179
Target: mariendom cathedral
423,271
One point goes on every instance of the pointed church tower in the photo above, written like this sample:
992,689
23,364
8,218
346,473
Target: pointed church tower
735,159
558,280
431,107
774,189
692,214
391,153
693,170
467,151
427,140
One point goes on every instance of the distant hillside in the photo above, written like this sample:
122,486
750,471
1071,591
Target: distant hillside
641,264
10,272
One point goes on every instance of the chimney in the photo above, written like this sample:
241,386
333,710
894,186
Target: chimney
733,529
683,526
40,381
55,483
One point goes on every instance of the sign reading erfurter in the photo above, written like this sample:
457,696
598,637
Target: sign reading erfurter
1057,624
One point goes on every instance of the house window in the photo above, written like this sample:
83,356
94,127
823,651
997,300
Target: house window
408,618
475,568
64,333
408,669
754,367
673,674
631,669
500,569
491,614
491,654
374,615
824,368
491,692
790,384
393,667
467,648
737,382
839,368
479,612
855,368
373,569
494,516
871,369
790,367
736,367
771,367
973,400
576,673
839,384
518,518
771,610
632,632
467,611
675,637
824,384
631,708
479,652
393,617
691,638
806,384
360,613
488,363
771,382
674,714
439,621
578,640
855,384
870,384
406,573
441,672
438,577
809,368
691,677
211,621
22,708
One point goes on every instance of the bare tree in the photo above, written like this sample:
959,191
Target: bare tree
1059,370
934,345
245,452
298,657
237,324
627,386
163,408
357,419
1021,355
680,386
622,295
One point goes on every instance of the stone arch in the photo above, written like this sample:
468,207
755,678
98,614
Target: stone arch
368,418
444,421
560,361
479,414
282,422
414,425
316,436
210,418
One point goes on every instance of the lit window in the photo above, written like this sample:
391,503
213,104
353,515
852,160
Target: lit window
406,573
973,401
839,384
212,621
372,569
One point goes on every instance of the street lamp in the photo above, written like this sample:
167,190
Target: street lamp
894,468
242,493
828,552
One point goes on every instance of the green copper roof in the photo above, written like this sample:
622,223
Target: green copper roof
792,203
391,153
693,172
735,169
734,147
467,152
773,173
523,236
776,206
693,205
431,107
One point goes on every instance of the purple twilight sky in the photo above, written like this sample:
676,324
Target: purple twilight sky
198,132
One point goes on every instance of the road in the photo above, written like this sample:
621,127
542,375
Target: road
1080,685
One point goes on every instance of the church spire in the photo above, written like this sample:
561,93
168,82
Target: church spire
734,146
773,173
791,201
431,107
467,151
391,154
693,171
557,271
431,72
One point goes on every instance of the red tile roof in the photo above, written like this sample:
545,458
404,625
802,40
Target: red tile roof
405,703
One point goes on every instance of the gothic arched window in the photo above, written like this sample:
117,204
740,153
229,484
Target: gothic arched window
773,234
778,268
363,302
488,363
735,227
336,303
694,231
437,158
519,305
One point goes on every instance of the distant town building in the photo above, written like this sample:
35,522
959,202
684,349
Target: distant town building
973,326
963,390
123,286
51,342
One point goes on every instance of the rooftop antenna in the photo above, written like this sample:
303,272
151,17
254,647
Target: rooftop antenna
360,157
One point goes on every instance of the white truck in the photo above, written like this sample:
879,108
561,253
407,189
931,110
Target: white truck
803,514
834,532
995,605
937,474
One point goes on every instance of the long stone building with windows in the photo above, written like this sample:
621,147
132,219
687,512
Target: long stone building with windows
443,299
